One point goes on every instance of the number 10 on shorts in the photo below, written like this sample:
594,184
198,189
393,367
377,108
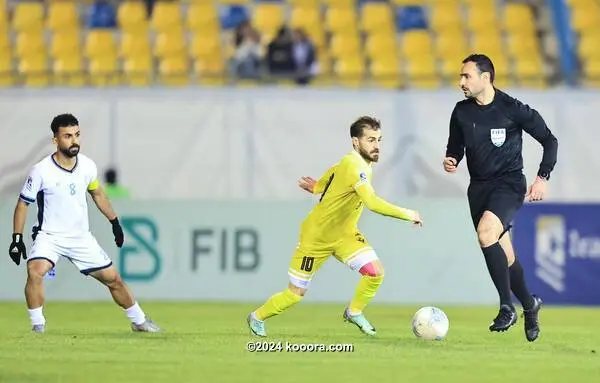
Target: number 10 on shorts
307,263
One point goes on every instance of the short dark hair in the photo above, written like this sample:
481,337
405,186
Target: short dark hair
63,121
362,123
483,64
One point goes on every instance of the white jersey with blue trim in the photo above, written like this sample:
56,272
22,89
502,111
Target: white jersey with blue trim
61,195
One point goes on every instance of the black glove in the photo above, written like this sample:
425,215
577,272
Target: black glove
117,232
17,248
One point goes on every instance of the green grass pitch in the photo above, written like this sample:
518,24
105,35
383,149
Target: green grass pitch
207,342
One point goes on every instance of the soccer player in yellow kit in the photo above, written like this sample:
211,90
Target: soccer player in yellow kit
331,229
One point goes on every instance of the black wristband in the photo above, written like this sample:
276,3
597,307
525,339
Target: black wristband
114,221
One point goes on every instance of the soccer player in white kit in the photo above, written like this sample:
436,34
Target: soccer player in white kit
59,183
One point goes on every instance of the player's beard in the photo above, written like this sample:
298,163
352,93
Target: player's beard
373,156
71,151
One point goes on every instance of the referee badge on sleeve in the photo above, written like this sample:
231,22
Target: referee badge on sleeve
498,136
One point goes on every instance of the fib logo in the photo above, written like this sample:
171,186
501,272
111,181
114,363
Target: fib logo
139,258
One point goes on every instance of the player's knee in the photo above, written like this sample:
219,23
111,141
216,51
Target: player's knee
36,269
372,269
297,290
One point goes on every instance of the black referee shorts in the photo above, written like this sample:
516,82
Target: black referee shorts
503,197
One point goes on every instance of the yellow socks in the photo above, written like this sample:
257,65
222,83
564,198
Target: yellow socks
277,304
365,291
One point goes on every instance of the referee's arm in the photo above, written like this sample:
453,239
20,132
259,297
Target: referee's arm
533,123
455,147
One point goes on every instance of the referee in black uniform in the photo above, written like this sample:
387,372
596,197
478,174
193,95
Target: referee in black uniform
488,127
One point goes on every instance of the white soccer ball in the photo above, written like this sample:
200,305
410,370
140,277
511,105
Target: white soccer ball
430,323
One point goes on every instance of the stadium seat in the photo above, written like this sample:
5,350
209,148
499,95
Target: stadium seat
340,3
518,17
410,17
268,17
591,71
480,19
422,72
30,43
341,20
34,70
203,46
344,45
103,71
305,3
63,17
235,2
489,41
131,16
100,43
523,46
69,71
409,2
166,16
138,70
503,70
134,44
174,71
305,17
584,18
202,17
530,73
233,15
589,45
65,44
385,72
169,44
380,46
28,17
445,16
451,44
416,43
350,71
210,70
376,17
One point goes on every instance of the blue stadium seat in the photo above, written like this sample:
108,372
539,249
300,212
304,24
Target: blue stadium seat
102,15
410,17
233,15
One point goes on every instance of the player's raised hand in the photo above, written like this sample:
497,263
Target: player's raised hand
537,190
450,164
307,183
17,249
117,232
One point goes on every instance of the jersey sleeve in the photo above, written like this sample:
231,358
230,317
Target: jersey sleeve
456,144
532,122
359,180
93,182
32,186
325,180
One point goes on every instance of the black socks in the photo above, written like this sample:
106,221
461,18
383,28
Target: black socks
518,286
497,265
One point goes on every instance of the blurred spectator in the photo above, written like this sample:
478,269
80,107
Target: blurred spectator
102,14
305,60
280,60
112,188
248,51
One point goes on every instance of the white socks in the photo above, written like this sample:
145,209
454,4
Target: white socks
135,314
36,316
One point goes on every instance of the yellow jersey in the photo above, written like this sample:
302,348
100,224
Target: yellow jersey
345,189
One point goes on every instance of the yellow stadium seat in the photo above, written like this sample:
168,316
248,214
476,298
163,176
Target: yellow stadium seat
170,44
385,72
210,70
488,42
341,20
350,72
28,16
502,68
317,35
343,45
268,17
30,43
416,44
138,70
132,16
589,45
410,2
174,70
6,69
450,69
305,17
104,71
100,43
584,18
305,3
4,24
63,16
445,16
376,17
204,46
202,17
517,17
451,45
35,71
377,46
480,19
231,2
523,46
65,44
530,73
134,44
69,71
166,16
482,4
422,72
340,3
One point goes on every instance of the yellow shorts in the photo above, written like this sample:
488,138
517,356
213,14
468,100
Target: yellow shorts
354,251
